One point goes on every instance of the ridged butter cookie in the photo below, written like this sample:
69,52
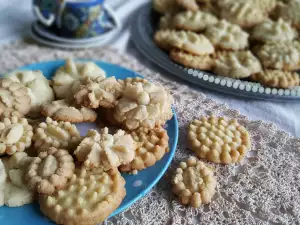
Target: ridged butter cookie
218,140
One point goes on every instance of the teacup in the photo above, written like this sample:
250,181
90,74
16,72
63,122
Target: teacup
72,18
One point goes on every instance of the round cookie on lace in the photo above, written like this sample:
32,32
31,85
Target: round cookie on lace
240,64
152,146
143,106
14,99
274,31
194,21
72,75
15,135
188,41
50,171
283,55
277,78
218,140
227,36
67,111
194,183
89,197
102,92
201,62
56,134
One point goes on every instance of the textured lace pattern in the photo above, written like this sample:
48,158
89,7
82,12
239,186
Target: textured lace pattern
263,189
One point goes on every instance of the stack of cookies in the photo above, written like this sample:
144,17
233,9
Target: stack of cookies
252,39
77,179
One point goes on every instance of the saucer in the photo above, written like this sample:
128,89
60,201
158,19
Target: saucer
107,17
55,44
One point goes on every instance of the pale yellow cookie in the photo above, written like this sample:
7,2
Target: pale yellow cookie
101,92
15,135
218,140
280,55
152,146
15,191
14,99
105,150
68,111
201,62
166,22
239,64
188,41
194,183
89,198
68,78
194,21
290,12
227,36
165,6
50,171
272,31
243,13
38,88
277,78
188,4
56,134
144,106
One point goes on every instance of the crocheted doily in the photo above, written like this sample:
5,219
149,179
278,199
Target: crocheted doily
263,189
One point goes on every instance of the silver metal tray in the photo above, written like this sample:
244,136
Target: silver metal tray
142,36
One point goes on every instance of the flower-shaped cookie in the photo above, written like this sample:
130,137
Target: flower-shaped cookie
67,111
143,105
14,99
15,135
38,88
68,78
101,92
194,183
106,150
152,146
227,36
56,134
50,171
218,140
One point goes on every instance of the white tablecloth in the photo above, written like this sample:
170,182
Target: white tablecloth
16,17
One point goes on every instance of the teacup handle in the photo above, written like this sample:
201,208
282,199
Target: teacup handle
47,22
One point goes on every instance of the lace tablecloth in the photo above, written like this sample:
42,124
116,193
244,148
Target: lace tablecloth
263,189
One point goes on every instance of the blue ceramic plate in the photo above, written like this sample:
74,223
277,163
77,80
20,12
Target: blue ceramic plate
136,185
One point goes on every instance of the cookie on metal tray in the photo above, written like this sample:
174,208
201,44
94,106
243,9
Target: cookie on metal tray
194,183
188,4
188,41
194,21
218,140
165,6
272,31
152,146
277,78
284,55
201,62
243,13
67,111
14,99
88,198
15,135
50,171
56,134
240,64
227,36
